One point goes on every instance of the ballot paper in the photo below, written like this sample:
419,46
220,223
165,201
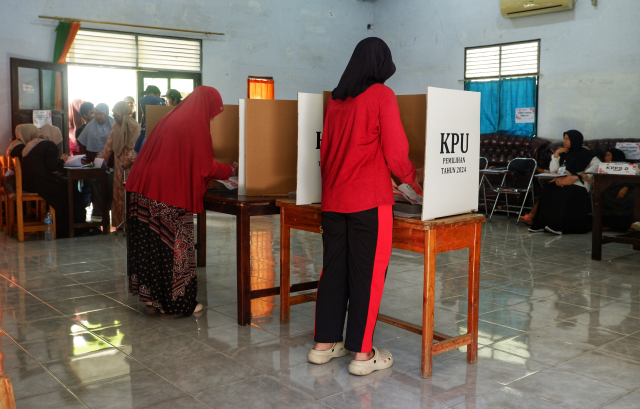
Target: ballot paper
74,162
231,183
409,194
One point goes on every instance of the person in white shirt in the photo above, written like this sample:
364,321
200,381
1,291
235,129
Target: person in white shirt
564,203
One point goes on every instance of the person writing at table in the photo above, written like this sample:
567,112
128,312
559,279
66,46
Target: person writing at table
564,204
24,134
363,140
166,187
40,162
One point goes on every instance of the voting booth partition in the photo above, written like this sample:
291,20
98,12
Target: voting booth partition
268,134
224,132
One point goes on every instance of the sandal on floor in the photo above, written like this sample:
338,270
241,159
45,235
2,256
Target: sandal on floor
198,308
527,219
322,357
382,359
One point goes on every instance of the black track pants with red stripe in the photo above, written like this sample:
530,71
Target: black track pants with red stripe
357,247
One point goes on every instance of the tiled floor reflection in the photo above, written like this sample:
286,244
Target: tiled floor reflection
557,330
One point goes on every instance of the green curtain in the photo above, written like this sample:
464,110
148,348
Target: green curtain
62,32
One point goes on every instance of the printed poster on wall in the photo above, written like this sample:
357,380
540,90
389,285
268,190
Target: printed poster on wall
631,149
41,117
525,115
309,181
452,153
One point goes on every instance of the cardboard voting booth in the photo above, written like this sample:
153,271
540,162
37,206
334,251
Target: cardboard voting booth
452,153
309,180
224,130
268,134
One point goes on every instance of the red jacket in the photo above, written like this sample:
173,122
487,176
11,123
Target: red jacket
362,141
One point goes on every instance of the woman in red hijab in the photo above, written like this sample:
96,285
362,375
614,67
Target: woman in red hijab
167,185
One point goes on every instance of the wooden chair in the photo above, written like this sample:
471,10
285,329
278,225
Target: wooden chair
21,197
6,393
4,208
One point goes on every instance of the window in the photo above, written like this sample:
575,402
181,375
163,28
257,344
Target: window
135,51
507,77
260,88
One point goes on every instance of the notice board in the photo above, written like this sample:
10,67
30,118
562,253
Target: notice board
268,134
452,151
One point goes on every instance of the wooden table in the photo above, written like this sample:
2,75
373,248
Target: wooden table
602,183
75,174
243,207
428,237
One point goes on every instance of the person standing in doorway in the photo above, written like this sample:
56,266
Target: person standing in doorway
173,97
151,97
132,104
87,111
123,135
167,185
363,140
75,121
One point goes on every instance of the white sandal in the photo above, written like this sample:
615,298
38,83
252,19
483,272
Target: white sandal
382,359
322,357
198,308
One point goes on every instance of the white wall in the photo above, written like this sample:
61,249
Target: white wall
303,44
590,57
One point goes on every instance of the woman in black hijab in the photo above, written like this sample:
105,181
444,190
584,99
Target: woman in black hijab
564,204
362,142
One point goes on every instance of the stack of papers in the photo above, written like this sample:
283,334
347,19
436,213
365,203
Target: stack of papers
74,162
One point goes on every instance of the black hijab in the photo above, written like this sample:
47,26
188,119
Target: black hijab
617,155
578,157
371,63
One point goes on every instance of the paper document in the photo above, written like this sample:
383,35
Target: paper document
550,175
75,162
231,183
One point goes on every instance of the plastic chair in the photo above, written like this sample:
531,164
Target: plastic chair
484,163
20,197
519,166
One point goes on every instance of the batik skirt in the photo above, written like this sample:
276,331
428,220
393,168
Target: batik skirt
161,255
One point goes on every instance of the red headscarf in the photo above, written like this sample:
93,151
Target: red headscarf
75,121
177,157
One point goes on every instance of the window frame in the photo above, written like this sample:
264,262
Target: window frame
137,67
500,76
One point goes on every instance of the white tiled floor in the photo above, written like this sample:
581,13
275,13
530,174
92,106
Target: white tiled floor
558,330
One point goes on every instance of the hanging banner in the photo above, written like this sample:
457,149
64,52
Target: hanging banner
41,117
525,115
309,181
452,153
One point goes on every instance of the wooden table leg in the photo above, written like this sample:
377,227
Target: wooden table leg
243,240
106,220
70,209
636,212
285,268
201,246
596,234
474,295
426,367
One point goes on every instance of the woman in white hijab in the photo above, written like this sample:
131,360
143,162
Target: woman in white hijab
47,133
123,136
24,134
95,134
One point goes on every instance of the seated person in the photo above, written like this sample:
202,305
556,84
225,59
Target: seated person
53,134
618,199
40,161
24,134
564,204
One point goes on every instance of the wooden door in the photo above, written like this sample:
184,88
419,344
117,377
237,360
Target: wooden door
38,85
